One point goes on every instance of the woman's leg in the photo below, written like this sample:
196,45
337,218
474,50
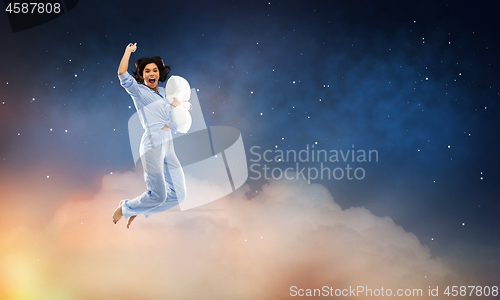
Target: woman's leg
156,194
174,177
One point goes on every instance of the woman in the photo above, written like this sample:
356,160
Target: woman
161,166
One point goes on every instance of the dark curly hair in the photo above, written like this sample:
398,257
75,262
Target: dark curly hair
141,63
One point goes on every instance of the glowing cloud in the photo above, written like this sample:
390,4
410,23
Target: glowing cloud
240,247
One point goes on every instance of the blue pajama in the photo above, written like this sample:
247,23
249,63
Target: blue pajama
163,174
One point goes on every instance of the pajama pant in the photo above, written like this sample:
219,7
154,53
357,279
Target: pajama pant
163,174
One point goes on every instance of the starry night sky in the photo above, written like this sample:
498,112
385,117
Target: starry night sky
416,80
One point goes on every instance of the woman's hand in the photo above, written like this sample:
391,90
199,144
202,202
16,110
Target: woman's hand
131,47
175,102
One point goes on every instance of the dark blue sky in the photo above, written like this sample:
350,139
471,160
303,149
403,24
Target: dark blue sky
417,81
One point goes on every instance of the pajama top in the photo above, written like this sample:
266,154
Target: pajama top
153,109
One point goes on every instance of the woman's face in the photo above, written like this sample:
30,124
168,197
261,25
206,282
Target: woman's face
151,75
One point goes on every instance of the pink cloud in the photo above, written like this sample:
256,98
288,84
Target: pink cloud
288,234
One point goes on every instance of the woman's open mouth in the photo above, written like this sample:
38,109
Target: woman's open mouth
152,81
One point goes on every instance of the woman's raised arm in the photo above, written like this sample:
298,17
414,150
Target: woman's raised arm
126,56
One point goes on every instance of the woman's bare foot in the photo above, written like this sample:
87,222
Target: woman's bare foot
130,220
118,214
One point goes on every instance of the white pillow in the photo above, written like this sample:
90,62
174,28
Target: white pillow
178,87
182,118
